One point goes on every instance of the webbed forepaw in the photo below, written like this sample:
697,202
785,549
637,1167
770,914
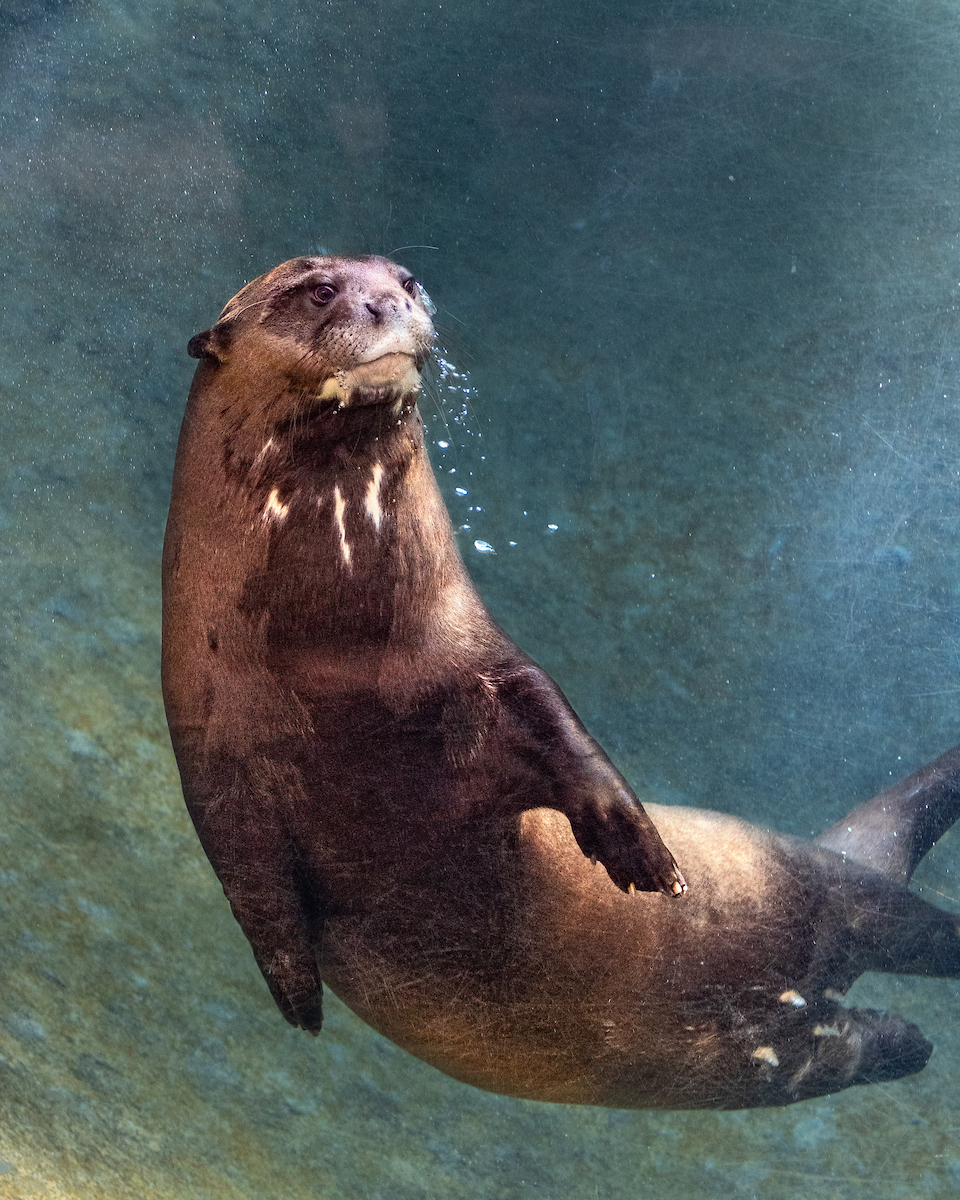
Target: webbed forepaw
296,988
623,838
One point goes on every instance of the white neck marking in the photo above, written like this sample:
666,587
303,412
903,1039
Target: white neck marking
372,499
339,508
273,510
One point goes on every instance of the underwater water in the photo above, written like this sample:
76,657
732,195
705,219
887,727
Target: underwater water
697,267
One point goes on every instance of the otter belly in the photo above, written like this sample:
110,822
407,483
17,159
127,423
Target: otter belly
586,994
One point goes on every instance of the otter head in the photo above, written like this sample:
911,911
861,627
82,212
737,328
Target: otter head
349,331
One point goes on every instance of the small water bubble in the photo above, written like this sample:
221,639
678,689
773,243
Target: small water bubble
460,491
553,528
444,445
483,547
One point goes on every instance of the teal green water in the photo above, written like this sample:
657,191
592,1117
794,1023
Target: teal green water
699,263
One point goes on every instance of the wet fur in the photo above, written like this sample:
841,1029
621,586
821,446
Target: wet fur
400,803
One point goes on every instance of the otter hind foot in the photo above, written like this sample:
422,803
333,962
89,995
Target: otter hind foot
836,1049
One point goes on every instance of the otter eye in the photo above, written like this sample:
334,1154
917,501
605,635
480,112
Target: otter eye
323,294
409,285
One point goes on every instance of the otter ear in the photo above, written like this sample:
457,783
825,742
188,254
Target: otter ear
212,343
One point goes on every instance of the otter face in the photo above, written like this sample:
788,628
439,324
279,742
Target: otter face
354,331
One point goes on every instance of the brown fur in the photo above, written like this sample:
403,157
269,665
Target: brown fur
399,802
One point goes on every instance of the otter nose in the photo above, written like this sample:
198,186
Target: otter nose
382,307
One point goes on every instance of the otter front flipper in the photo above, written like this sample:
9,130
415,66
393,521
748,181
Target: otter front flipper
243,824
608,821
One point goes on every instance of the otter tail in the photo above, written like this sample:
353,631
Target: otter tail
893,831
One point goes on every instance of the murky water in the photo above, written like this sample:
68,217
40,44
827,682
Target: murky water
697,272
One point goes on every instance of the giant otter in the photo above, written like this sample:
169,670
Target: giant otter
400,803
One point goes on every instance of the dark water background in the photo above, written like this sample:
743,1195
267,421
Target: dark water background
700,264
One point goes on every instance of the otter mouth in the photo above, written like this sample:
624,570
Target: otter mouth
393,369
390,380
390,377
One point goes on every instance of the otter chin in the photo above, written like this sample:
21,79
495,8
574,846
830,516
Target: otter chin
400,804
395,370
